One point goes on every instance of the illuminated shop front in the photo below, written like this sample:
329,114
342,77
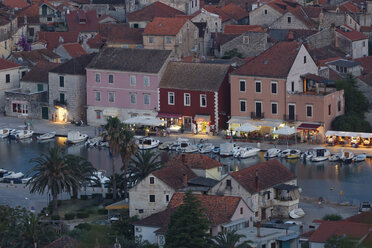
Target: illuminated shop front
203,122
61,114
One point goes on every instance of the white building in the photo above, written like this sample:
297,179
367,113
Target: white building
10,75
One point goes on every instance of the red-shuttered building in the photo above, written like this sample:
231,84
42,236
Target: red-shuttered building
196,93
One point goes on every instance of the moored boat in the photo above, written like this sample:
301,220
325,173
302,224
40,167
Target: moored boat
320,154
206,148
24,134
228,149
246,152
308,154
147,143
4,133
46,136
296,213
335,157
74,137
272,153
165,145
191,149
347,157
291,153
93,141
360,157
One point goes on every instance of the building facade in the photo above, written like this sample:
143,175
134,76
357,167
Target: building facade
10,75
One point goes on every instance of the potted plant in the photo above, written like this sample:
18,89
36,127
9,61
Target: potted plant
182,128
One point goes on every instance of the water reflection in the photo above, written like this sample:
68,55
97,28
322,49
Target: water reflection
322,179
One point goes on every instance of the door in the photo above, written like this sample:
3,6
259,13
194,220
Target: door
258,109
187,123
291,112
263,213
44,113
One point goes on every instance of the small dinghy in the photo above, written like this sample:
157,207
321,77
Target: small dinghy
4,133
74,137
46,136
216,150
184,145
25,180
307,155
180,142
246,152
335,158
272,153
296,213
93,141
360,157
206,148
165,145
347,157
191,149
23,134
147,143
290,154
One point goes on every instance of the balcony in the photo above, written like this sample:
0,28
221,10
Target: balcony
290,118
60,103
256,115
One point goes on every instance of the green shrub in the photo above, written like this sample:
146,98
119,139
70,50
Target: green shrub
332,217
102,211
69,216
82,215
55,217
84,197
84,226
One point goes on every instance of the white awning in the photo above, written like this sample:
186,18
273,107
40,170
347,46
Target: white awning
145,121
348,134
110,112
285,131
266,123
204,118
238,120
246,127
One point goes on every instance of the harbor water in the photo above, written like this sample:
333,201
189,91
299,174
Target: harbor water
333,181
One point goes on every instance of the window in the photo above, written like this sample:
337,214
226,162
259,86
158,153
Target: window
180,38
146,81
354,44
196,34
274,87
111,79
265,11
245,39
289,19
133,98
274,108
31,31
203,100
292,86
167,198
243,104
339,106
98,96
242,85
23,73
132,80
170,98
309,111
168,40
152,180
196,3
241,210
364,43
40,87
146,99
7,78
151,39
111,96
228,183
152,198
304,59
329,109
62,97
20,108
258,87
98,115
140,211
186,100
49,19
61,81
44,10
98,77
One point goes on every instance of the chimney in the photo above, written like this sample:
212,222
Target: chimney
183,158
258,226
256,180
290,36
184,179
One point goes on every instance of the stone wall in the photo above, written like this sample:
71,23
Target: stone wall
322,38
35,102
327,19
284,23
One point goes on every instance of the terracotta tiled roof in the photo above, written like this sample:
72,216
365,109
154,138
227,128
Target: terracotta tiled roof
324,61
365,217
334,75
63,242
235,11
326,53
340,228
157,9
32,14
349,7
222,39
165,26
91,24
365,29
352,35
20,4
173,174
53,38
198,161
74,49
222,14
274,62
39,73
240,29
121,33
219,209
75,66
160,219
312,11
6,64
96,42
270,173
366,63
30,58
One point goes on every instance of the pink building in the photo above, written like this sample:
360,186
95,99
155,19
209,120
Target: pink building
124,82
282,85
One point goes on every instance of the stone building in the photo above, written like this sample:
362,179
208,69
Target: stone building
67,90
351,42
10,74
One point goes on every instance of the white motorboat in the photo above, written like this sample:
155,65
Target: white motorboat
216,150
46,136
347,157
93,141
296,213
191,149
183,145
246,152
147,143
206,148
272,153
74,137
103,144
3,172
308,154
165,145
24,134
290,153
13,177
336,157
320,154
100,175
228,149
4,133
178,143
25,180
360,157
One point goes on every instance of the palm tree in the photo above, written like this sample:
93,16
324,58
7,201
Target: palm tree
229,239
127,149
113,136
52,172
145,162
83,170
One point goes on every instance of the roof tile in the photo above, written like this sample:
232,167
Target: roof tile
6,64
173,174
90,24
157,9
165,26
235,11
55,38
240,29
352,35
74,49
39,73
